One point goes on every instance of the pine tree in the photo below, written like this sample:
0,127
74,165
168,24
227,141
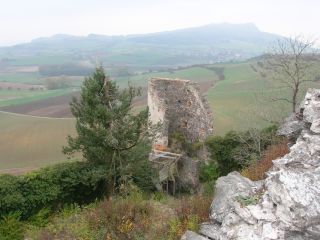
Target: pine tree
106,127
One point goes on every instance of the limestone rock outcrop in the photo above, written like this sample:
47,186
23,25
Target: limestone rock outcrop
291,128
286,205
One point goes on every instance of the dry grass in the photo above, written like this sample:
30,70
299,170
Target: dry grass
256,171
128,218
190,212
195,205
122,218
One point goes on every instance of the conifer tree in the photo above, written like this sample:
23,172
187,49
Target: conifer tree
106,127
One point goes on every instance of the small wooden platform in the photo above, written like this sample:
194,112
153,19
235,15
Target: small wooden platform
167,166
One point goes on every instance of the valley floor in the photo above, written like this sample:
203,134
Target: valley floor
237,93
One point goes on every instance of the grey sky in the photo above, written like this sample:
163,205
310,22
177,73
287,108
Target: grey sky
23,20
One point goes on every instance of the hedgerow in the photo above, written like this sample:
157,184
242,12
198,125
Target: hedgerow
52,187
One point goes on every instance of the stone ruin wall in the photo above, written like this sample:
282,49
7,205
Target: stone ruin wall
179,106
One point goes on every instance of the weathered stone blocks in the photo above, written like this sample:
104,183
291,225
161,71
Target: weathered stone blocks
181,109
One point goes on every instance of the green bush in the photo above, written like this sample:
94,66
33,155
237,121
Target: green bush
209,172
236,150
68,223
68,183
41,218
221,150
11,228
51,187
159,196
138,167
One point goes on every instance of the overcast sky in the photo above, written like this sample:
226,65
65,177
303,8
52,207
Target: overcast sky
23,20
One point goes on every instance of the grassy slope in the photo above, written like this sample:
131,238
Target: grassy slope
32,142
40,60
233,98
197,74
243,99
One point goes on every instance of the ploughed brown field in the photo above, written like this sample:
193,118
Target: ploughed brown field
57,107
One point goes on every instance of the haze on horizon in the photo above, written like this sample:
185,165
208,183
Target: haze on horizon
22,21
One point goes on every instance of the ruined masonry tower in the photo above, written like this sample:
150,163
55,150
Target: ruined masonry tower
179,107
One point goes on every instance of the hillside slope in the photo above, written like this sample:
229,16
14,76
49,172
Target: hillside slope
204,44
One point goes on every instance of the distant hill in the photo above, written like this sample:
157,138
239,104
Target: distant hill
205,44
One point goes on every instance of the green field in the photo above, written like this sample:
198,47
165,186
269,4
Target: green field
197,74
233,98
31,141
242,100
38,60
15,97
29,78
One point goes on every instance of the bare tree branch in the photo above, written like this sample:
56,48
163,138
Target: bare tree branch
290,62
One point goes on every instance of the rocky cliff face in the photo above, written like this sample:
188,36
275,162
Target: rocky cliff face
286,205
